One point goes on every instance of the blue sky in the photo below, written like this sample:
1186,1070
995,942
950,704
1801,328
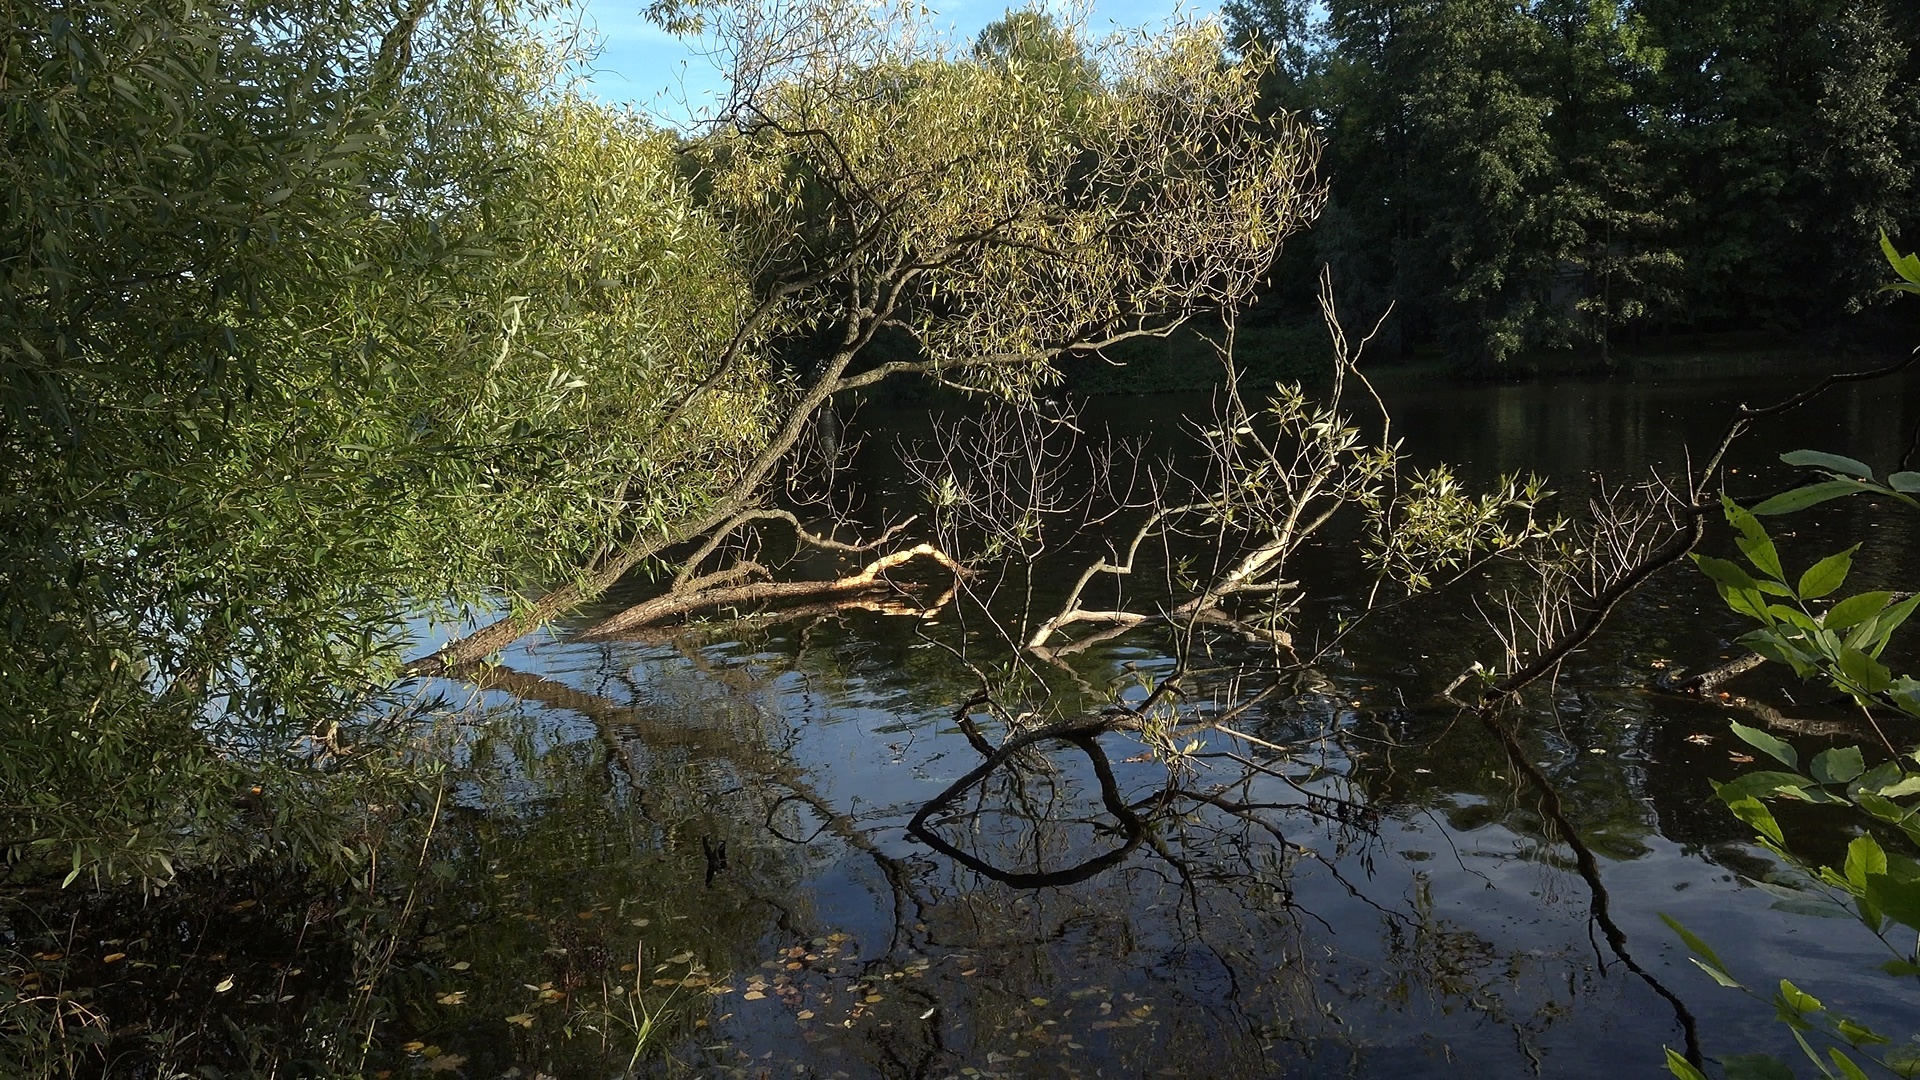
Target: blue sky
645,67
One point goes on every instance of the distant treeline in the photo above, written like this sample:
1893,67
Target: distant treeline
1578,173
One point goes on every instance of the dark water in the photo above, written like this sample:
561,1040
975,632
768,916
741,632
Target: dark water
721,821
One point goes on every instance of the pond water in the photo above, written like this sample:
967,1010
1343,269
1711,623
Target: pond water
1369,882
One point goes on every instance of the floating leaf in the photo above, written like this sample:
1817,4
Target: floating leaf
457,997
525,1020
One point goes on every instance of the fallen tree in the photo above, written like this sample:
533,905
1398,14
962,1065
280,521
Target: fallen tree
905,212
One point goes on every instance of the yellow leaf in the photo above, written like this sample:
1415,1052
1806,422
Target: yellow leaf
525,1020
458,997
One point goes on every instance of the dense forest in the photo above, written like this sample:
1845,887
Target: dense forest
1582,173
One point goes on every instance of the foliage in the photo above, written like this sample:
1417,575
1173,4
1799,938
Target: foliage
316,318
1524,176
1841,642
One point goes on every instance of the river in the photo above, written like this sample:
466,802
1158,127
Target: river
691,852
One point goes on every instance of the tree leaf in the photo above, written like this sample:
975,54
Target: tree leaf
1827,575
1755,813
1898,899
1767,744
1906,482
1838,765
1726,573
1797,1001
1812,495
1814,459
1867,675
1755,1067
1855,610
1693,941
1681,1067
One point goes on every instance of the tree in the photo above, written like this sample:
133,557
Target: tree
314,324
1780,124
965,210
323,321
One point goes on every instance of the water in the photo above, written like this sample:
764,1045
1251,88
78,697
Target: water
1370,884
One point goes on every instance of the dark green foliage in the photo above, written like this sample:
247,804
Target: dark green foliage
1563,172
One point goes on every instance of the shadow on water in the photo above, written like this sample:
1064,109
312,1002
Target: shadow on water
783,852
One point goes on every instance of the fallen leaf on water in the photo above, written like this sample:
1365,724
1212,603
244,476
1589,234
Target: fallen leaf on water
752,995
1700,739
223,985
414,1047
458,997
446,1063
1039,1001
525,1020
1739,758
804,1014
462,966
680,958
113,957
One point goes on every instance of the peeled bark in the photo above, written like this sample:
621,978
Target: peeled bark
675,604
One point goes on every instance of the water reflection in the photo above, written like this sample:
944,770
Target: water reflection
802,849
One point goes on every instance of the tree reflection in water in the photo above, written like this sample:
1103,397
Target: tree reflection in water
1065,904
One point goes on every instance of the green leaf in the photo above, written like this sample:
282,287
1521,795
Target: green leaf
1906,482
1891,619
1847,1067
1907,266
1742,519
1755,813
1901,968
1827,575
1838,765
1763,783
1900,900
1855,610
1868,676
1793,1005
1817,906
1755,1067
1762,555
1909,785
1767,744
1814,459
1812,495
1681,1067
1693,941
1726,573
1859,1034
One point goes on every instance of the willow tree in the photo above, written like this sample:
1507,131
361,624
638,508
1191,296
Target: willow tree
981,216
313,317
